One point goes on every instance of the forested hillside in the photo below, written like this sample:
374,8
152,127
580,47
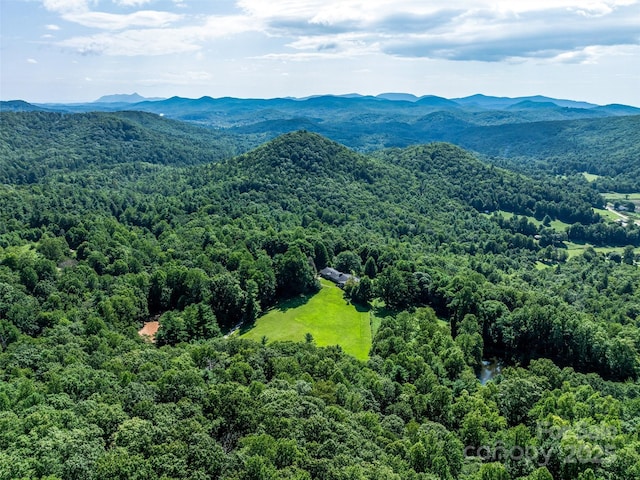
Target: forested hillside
606,147
38,144
530,134
110,220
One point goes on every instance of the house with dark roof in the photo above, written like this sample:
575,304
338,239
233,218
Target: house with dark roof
336,277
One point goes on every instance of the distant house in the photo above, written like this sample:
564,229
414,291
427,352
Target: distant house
336,277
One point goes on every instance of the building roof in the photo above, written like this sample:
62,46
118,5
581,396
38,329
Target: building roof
335,276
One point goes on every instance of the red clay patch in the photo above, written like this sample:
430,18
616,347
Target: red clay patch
149,330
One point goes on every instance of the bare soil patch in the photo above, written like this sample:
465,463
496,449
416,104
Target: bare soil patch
149,330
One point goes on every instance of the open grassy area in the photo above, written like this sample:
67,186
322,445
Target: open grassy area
613,196
575,249
556,224
608,214
326,315
590,177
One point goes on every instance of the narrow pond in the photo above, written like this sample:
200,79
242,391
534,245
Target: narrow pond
490,368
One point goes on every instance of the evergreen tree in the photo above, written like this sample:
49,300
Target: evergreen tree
370,268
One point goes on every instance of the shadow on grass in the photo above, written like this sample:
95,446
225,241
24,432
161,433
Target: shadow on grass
282,306
246,327
361,308
383,312
574,243
294,302
378,313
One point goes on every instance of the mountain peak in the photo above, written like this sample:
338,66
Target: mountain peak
406,97
124,98
19,106
302,152
303,142
499,103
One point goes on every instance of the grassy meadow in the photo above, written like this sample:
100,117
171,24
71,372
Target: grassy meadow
575,249
607,214
590,177
326,315
614,196
556,224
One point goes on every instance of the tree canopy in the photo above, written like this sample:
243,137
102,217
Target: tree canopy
111,220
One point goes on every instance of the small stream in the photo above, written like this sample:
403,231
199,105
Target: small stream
490,368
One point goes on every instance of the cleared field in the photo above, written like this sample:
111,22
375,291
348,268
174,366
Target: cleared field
575,249
612,196
590,177
608,214
556,224
326,315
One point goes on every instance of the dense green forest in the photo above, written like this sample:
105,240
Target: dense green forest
528,134
605,147
40,144
109,220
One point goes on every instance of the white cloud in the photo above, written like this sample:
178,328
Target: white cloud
591,55
464,30
148,42
533,34
217,26
157,41
112,21
327,46
132,3
484,30
179,78
52,27
32,60
66,6
80,12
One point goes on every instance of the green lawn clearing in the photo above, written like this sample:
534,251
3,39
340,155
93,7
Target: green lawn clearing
590,177
326,315
608,214
555,224
575,249
613,196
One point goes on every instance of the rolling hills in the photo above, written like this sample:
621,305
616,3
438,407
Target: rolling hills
36,144
527,133
129,217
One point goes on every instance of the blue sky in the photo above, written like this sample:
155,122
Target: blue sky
79,50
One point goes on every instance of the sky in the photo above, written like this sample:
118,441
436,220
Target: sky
79,50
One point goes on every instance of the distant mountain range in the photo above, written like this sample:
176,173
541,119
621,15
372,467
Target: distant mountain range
573,135
388,108
362,122
20,106
125,98
473,102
